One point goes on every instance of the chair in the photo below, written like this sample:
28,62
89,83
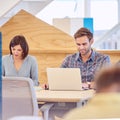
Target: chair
18,97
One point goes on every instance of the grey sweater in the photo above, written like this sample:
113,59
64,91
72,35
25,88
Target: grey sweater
29,68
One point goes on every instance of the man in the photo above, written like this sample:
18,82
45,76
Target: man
88,60
106,102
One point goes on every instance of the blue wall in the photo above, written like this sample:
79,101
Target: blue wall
88,23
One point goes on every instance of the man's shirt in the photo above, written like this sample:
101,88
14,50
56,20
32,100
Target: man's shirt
88,68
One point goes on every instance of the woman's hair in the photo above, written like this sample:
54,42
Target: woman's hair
83,32
20,40
107,77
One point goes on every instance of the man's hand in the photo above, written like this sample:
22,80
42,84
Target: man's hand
88,85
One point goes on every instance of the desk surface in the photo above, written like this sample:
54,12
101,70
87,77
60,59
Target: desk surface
63,96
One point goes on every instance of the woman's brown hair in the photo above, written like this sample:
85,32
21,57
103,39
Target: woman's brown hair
20,40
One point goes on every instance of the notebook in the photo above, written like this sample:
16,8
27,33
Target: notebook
64,79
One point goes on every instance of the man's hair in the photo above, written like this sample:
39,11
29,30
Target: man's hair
19,40
83,32
107,78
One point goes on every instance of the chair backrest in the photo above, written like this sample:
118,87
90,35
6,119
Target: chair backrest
18,97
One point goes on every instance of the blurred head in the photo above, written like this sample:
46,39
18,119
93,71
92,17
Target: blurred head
18,46
108,80
84,39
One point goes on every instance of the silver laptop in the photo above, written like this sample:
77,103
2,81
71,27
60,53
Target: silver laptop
64,79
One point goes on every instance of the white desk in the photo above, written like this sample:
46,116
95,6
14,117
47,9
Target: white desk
78,97
63,96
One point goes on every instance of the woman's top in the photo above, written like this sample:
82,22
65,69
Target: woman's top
29,68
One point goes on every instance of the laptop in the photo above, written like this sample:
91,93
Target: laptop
64,79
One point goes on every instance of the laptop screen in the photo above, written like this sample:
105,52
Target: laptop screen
64,79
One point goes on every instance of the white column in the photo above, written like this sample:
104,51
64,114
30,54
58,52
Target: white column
87,8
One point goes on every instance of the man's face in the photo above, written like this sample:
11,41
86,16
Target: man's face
83,45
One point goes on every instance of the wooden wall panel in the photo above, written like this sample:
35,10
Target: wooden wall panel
44,40
48,44
39,34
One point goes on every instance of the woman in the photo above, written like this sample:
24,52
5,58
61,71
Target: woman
18,63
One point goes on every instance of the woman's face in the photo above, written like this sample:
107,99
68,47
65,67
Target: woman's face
17,52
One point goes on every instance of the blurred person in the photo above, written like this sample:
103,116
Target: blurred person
88,60
18,63
106,102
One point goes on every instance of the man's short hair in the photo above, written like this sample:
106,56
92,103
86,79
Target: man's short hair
83,32
107,78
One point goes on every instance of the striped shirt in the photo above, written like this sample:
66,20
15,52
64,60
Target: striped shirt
88,68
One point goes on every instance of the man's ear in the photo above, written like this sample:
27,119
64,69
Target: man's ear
91,41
